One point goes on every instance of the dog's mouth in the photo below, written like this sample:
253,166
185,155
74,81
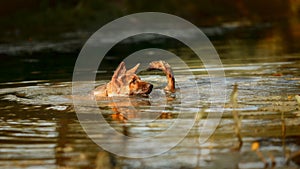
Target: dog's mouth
150,87
146,90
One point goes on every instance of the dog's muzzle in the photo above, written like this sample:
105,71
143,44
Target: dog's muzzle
149,87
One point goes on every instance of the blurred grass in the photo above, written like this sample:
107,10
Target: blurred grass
43,19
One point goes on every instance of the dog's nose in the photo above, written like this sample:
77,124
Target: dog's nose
150,87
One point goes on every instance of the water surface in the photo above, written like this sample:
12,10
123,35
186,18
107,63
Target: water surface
40,129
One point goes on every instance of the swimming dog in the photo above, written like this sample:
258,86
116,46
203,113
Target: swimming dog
126,82
123,83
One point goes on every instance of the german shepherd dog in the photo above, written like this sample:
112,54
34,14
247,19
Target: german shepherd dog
126,82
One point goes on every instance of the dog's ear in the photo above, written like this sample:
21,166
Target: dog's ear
134,69
116,82
119,71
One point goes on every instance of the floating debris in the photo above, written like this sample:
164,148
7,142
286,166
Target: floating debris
59,108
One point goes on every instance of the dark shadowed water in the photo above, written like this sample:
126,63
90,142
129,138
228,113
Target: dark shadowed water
39,127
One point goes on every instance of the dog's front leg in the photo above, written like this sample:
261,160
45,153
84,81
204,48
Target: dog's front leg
166,68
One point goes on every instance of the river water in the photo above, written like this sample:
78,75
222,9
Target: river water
259,128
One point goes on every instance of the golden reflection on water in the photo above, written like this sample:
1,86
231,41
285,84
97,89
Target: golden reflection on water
40,129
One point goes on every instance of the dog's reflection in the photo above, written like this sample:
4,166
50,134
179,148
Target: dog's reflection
135,108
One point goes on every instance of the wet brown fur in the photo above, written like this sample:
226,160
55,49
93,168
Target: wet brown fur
123,83
166,68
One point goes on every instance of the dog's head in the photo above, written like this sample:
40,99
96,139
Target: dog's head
126,82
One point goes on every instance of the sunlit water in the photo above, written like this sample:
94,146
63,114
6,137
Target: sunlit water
40,129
